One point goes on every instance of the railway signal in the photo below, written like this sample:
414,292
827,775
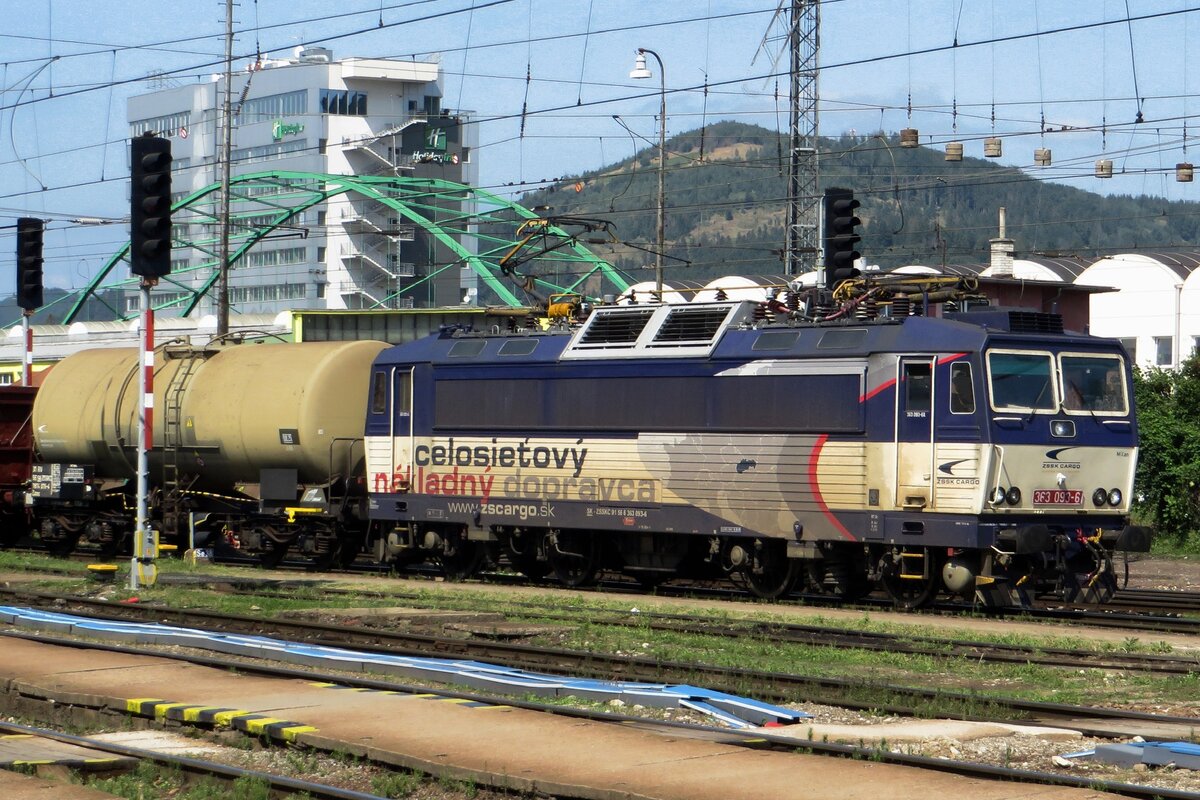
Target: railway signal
840,235
150,206
29,262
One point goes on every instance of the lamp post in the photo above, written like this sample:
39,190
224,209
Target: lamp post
640,71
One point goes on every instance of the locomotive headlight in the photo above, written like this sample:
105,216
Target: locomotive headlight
1114,497
997,495
1012,496
1099,497
1062,428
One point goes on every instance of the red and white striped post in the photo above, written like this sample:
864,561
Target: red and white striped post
145,550
27,367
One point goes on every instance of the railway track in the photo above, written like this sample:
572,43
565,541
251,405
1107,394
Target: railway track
758,739
772,686
840,638
277,786
1143,610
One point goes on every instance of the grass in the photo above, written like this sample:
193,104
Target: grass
589,631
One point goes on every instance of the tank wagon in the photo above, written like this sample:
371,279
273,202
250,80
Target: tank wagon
984,453
257,445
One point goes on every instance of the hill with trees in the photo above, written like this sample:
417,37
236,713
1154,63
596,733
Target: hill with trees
726,191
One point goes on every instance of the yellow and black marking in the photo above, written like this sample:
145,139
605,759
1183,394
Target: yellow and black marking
460,701
30,750
236,718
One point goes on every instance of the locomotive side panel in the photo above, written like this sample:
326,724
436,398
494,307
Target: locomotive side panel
681,483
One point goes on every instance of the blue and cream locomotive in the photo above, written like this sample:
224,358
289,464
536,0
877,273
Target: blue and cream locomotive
984,454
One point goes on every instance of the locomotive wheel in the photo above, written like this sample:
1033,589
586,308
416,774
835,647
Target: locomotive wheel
1093,590
573,556
460,559
521,549
837,577
774,578
900,580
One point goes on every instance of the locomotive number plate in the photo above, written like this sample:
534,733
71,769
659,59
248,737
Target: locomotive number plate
1058,497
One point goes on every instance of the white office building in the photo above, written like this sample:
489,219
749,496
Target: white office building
313,114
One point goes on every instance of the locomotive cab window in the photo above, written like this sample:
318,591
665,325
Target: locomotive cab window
917,382
962,389
1021,381
1093,384
379,392
403,400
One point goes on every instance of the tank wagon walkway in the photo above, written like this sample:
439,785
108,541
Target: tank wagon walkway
494,745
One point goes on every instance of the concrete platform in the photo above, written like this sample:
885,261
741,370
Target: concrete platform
489,744
14,786
19,749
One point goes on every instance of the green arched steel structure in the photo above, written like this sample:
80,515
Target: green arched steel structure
476,228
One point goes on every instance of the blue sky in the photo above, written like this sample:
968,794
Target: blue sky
63,130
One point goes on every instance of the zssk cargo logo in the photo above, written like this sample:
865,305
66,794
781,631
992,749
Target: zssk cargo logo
1054,459
948,478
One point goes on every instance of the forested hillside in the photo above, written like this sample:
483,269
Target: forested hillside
725,205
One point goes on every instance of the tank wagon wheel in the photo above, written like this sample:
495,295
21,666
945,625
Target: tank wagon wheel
574,556
911,576
12,528
273,554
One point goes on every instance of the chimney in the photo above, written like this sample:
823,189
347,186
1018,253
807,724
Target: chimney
1002,250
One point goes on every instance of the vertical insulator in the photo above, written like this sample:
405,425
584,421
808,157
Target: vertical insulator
721,295
793,301
900,306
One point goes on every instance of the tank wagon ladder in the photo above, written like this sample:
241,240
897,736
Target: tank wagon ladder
172,494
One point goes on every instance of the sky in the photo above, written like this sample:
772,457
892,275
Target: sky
1036,73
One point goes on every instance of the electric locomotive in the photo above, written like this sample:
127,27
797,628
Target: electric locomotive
984,453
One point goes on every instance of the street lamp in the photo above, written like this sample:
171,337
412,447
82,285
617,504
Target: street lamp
641,71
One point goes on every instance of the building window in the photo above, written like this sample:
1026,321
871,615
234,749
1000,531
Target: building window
432,106
268,294
274,258
1130,346
1163,345
249,155
345,102
263,109
321,145
168,125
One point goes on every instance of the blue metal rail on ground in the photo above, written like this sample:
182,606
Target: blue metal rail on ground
732,710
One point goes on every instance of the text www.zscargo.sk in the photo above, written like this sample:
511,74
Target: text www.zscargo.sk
521,511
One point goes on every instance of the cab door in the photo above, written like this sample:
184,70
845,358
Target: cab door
400,421
914,432
389,429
